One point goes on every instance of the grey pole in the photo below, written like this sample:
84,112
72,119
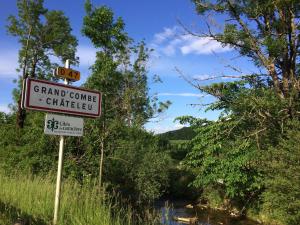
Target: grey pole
60,166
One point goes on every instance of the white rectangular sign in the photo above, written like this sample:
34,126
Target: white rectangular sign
53,97
63,125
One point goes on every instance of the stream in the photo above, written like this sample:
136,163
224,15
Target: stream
170,210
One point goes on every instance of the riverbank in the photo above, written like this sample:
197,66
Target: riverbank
171,210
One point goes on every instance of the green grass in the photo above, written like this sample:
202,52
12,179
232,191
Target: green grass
4,219
33,198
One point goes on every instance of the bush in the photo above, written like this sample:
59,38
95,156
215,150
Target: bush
282,196
137,167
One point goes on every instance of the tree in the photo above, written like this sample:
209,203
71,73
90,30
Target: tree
265,31
136,100
122,81
41,33
229,155
268,33
104,32
108,35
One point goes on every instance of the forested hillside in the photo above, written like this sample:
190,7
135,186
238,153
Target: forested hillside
185,133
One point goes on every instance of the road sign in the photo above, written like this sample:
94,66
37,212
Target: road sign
63,125
53,97
67,73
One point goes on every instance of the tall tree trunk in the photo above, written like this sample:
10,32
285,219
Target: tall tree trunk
273,74
21,113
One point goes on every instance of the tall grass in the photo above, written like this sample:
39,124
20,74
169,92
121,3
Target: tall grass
80,204
4,219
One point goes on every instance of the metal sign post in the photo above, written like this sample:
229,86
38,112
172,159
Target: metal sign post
60,165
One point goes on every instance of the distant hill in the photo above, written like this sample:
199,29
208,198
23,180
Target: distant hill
185,133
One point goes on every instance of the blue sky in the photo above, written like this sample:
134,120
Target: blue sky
156,22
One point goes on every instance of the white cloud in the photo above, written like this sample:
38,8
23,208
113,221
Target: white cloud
4,108
180,94
206,77
87,55
172,40
178,126
202,77
167,33
158,129
201,46
8,63
169,50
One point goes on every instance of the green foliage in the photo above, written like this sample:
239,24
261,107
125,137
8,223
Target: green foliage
241,156
264,31
241,31
134,166
123,84
179,149
125,109
152,178
222,162
179,187
282,197
104,32
28,150
41,33
59,38
137,167
228,155
213,195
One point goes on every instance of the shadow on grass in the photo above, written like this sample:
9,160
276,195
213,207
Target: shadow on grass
16,216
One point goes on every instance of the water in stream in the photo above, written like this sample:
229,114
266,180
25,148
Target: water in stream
204,216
